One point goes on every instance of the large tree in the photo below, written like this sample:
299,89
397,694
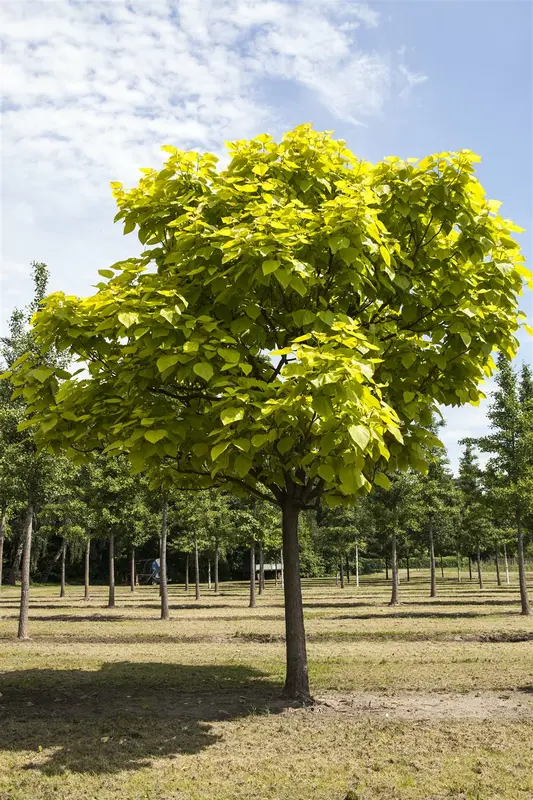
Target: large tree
292,324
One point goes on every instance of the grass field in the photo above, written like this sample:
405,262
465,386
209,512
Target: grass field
431,699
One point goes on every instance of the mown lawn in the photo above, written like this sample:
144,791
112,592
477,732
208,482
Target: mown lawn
432,699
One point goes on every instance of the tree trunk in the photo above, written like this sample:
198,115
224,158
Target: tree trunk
433,575
196,568
479,573
458,567
63,568
347,568
25,574
132,570
163,562
507,581
341,570
111,602
297,678
261,568
216,569
407,565
442,567
356,564
11,578
470,567
276,572
186,572
2,537
394,570
524,601
87,574
497,565
386,568
209,573
252,576
282,571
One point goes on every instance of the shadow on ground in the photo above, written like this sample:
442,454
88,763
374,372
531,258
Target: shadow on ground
124,715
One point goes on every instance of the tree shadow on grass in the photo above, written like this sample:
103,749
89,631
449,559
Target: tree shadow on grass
126,714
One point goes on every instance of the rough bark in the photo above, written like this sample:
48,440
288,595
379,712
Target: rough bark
196,567
507,579
25,573
497,565
356,564
87,570
297,678
252,576
2,537
132,570
63,568
216,568
111,601
479,572
341,570
394,570
433,574
186,572
163,562
282,571
524,601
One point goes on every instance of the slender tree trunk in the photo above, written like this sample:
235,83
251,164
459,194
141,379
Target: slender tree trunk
132,570
386,568
11,578
63,568
111,602
470,567
163,585
282,571
507,580
356,564
2,537
216,568
209,573
297,678
524,601
25,574
347,568
252,576
196,567
276,572
479,573
186,572
433,574
497,565
407,565
336,576
442,567
394,570
87,572
341,570
261,568
458,567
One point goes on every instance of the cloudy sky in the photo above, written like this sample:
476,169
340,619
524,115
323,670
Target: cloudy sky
92,89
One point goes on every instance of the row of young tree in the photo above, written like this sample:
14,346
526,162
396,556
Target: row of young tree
287,335
480,514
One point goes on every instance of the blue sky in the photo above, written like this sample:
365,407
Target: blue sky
93,88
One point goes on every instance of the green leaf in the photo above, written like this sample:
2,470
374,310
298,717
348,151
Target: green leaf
381,480
42,373
230,415
155,436
327,472
385,255
338,242
298,285
128,318
360,435
231,356
48,424
408,396
466,338
164,362
204,370
243,465
350,481
218,449
270,266
106,273
285,444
